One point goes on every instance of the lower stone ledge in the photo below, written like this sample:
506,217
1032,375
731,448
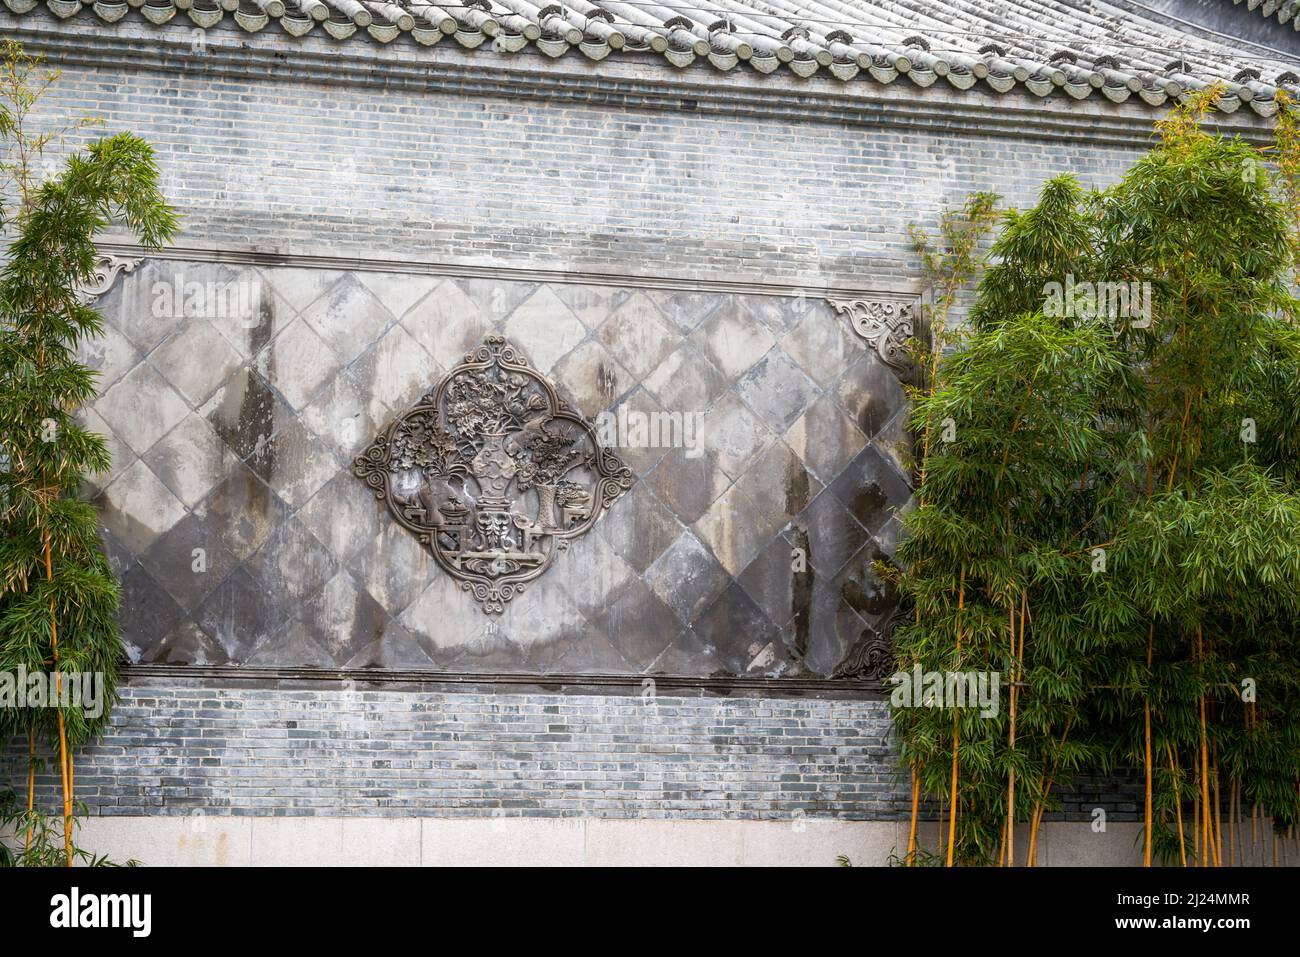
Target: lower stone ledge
206,840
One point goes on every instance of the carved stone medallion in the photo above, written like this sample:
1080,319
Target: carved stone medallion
494,473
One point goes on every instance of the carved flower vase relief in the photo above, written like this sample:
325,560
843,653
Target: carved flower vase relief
494,473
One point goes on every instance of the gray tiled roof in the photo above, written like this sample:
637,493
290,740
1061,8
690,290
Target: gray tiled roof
1087,48
1285,10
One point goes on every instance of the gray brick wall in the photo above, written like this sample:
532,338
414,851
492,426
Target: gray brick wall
556,184
243,751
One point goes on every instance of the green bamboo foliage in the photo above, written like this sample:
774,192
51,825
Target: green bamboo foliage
58,596
1112,524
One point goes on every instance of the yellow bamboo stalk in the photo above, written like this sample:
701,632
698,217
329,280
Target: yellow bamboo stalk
1178,804
956,728
911,834
1146,720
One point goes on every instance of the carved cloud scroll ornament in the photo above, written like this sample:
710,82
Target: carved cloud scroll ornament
884,323
494,473
107,268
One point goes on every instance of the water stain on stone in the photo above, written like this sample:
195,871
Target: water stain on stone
801,593
798,487
870,505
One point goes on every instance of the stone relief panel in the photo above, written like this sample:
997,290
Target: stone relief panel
458,468
764,443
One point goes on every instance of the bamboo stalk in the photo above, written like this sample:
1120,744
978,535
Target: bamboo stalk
1178,804
911,833
64,767
31,786
1146,719
956,727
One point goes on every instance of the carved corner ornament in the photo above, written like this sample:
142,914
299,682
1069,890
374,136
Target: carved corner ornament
493,473
107,268
872,656
886,325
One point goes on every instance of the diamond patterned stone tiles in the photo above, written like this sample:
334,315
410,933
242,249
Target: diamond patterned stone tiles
141,408
243,538
195,360
348,317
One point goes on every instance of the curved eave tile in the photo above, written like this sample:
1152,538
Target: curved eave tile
802,49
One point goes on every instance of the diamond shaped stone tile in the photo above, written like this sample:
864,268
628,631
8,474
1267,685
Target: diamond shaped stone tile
833,535
641,457
778,486
186,644
293,562
777,390
734,434
684,309
687,655
248,331
592,574
444,624
395,649
639,527
686,577
144,316
191,459
396,370
896,443
348,317
591,378
343,618
189,561
686,381
243,512
398,292
296,363
341,518
872,598
779,313
590,653
447,323
246,412
822,344
195,360
394,567
294,646
146,614
111,355
732,339
344,418
688,482
826,631
544,328
300,287
870,392
294,463
496,298
638,336
825,438
778,582
119,452
730,530
141,408
871,489
591,304
137,507
744,640
638,625
241,612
